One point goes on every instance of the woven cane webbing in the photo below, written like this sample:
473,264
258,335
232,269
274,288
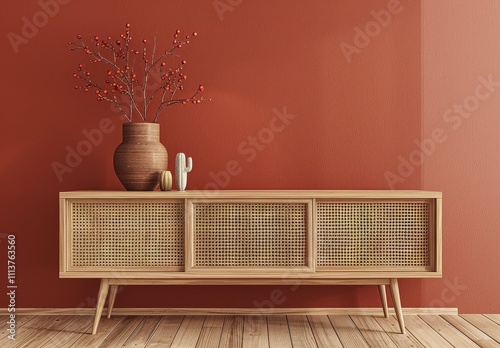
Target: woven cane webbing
127,235
373,234
250,235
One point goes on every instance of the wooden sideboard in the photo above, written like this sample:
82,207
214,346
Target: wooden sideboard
250,237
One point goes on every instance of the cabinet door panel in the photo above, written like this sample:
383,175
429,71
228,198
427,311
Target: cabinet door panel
126,236
378,235
251,236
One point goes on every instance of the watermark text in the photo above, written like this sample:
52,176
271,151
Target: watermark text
31,26
11,285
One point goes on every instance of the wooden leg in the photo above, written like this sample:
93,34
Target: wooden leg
113,289
397,304
383,298
101,298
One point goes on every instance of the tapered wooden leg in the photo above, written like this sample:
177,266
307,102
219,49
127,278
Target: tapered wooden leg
113,289
397,304
101,299
383,298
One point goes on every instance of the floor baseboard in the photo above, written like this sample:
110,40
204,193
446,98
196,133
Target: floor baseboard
231,311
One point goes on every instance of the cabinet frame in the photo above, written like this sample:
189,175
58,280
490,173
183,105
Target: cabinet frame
191,274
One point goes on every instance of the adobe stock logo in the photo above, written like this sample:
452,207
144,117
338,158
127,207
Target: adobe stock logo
455,116
250,148
31,26
364,36
449,294
75,155
223,6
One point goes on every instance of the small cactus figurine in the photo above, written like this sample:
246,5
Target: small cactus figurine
181,170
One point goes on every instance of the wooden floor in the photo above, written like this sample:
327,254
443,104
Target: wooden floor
473,330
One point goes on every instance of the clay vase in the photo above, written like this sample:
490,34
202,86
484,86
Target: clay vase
140,158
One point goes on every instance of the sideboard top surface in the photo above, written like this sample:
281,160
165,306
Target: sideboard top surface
258,194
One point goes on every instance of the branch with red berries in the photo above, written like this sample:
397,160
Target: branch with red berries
129,72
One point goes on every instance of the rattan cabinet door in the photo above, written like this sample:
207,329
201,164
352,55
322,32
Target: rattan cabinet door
375,235
250,236
116,235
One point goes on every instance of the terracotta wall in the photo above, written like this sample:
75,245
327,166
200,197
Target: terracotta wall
346,79
461,84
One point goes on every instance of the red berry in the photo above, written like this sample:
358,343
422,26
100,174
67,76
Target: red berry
75,75
177,31
118,42
162,64
144,41
198,101
79,37
185,77
70,42
127,25
183,62
201,88
96,38
195,34
97,91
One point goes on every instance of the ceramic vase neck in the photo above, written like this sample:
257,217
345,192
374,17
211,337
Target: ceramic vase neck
144,130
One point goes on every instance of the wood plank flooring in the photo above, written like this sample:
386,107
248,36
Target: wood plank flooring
298,331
